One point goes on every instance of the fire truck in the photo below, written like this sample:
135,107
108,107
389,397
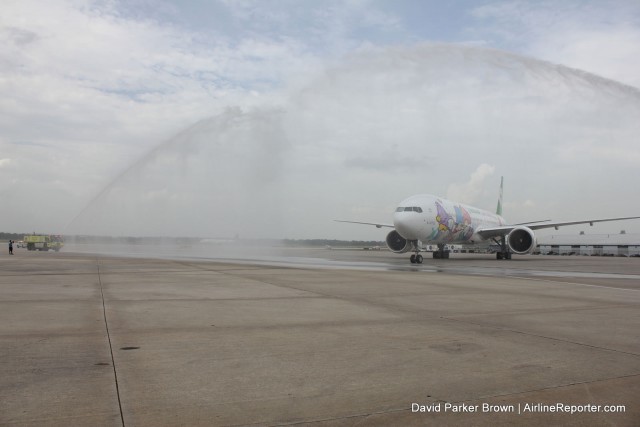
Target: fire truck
44,243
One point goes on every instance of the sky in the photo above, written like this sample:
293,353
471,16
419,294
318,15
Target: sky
269,119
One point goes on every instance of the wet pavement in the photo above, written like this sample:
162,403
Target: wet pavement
313,336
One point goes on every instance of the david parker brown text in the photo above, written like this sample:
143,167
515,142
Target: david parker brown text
519,408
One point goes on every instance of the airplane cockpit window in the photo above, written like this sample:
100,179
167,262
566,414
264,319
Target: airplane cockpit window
409,209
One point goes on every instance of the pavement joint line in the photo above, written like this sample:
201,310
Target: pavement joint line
253,279
493,396
547,310
346,417
453,319
49,274
209,299
105,273
250,268
368,301
539,336
535,279
106,325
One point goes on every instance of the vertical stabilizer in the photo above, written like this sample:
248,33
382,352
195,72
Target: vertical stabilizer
499,208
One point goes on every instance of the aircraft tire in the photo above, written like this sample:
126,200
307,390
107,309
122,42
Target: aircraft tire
412,258
419,259
498,255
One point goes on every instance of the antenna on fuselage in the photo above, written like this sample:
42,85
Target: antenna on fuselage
499,208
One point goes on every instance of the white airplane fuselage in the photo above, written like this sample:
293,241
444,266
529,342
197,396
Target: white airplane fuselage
434,220
429,219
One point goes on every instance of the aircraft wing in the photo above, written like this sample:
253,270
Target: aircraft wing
585,221
490,232
366,223
532,222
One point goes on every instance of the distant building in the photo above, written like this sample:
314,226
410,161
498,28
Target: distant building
612,244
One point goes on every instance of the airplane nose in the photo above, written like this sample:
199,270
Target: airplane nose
404,223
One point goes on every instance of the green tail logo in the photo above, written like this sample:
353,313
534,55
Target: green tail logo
499,208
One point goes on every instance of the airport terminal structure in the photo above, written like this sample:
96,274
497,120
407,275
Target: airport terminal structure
621,244
612,244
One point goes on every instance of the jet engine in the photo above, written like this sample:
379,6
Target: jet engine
397,243
521,241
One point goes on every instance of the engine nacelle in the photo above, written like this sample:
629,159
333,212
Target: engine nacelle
521,241
397,243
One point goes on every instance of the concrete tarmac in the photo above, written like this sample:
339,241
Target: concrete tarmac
110,341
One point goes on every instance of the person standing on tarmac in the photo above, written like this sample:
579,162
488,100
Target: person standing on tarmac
10,247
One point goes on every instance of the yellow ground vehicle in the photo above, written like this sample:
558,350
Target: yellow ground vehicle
44,243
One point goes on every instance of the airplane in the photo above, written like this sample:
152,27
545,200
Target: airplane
428,219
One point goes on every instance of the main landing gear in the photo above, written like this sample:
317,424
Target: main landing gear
441,253
504,250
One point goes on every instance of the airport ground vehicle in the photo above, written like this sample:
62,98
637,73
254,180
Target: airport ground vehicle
44,242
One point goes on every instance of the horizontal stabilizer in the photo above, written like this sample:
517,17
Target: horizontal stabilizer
378,225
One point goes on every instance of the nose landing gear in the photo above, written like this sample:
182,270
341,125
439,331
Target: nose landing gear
416,258
441,253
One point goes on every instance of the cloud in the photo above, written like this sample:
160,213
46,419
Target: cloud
600,37
332,26
470,191
388,159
